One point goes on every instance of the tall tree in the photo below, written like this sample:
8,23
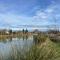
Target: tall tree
23,31
10,31
26,31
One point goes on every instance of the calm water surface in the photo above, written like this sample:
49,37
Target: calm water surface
8,46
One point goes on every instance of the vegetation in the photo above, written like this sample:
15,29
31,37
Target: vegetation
43,49
40,38
46,51
10,31
23,31
6,34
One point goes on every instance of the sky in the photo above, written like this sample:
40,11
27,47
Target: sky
29,12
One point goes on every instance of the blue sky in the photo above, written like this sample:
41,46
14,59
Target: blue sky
29,12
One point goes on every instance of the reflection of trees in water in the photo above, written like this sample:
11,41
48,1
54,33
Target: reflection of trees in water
25,37
4,40
10,38
35,39
25,34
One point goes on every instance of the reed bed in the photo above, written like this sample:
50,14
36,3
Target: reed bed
46,51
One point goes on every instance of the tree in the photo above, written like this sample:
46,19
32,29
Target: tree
26,31
10,31
23,31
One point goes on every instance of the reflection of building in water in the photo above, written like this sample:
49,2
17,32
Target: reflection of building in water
5,31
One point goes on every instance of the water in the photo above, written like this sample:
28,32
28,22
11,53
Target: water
9,46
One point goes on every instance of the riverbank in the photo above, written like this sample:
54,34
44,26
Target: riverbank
7,36
45,51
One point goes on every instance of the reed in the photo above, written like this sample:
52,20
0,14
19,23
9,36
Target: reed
46,51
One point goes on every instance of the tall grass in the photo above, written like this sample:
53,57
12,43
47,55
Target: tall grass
46,51
40,38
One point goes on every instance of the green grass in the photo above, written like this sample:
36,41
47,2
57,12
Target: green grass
40,38
46,51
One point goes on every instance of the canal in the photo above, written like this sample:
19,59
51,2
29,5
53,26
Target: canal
9,47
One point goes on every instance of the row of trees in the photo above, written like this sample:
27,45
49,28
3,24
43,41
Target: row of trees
24,31
10,31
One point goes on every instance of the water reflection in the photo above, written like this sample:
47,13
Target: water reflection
4,40
11,45
25,37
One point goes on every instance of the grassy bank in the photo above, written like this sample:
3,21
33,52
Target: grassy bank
45,51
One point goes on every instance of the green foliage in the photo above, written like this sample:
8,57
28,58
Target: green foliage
25,31
10,31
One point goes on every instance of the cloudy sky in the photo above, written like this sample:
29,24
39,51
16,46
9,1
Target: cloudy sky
29,12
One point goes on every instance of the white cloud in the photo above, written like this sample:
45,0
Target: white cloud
48,15
42,17
9,19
